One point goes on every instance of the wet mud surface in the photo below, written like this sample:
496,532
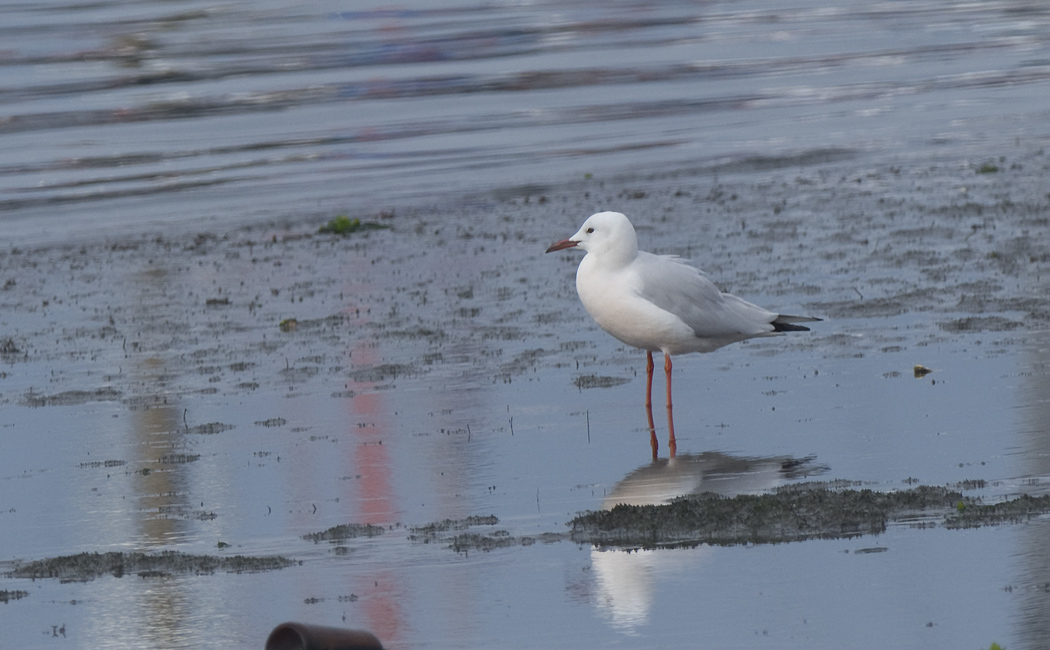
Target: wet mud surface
466,295
218,373
469,295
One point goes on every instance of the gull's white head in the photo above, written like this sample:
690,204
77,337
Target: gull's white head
608,235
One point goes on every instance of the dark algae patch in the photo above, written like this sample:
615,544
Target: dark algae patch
73,397
790,514
343,532
442,531
1014,511
476,542
7,596
456,534
210,428
446,525
83,567
595,381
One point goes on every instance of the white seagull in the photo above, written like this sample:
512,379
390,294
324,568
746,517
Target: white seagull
659,302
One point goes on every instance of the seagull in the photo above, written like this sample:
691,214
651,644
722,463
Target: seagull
659,302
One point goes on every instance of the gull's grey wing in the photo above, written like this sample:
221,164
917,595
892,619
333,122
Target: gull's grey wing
681,289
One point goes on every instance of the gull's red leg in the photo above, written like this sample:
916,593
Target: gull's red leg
653,442
672,445
649,365
649,402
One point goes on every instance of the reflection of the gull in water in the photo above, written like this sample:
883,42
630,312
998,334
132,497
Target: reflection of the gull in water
667,478
625,581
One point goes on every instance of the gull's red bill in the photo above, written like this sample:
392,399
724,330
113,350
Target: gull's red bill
561,245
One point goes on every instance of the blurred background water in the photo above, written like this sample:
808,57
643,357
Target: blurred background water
120,116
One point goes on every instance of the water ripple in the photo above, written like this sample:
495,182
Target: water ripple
102,103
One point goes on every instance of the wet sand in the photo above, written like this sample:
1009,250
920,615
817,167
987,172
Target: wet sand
227,393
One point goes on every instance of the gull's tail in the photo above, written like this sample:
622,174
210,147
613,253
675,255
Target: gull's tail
784,323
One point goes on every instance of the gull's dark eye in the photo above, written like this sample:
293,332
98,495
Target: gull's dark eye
590,230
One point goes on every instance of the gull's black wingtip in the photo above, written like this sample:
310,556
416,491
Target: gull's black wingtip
790,323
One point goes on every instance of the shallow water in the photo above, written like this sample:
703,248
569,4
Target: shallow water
812,160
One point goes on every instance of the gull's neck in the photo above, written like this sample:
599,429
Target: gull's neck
617,254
